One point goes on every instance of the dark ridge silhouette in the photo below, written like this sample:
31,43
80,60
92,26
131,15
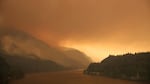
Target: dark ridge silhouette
128,66
32,65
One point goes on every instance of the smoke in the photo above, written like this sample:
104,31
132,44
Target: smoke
103,21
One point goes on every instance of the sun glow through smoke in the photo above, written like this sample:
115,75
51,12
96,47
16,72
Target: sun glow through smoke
99,52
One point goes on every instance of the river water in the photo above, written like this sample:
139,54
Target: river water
70,77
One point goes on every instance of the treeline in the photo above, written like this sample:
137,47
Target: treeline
8,72
128,66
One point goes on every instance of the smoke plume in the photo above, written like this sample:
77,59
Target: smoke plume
105,22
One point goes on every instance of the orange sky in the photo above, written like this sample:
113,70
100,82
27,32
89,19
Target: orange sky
97,27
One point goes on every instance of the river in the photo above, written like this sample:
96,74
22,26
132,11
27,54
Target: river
69,77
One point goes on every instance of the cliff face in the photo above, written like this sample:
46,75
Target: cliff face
127,66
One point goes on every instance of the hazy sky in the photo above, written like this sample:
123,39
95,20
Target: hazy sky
97,27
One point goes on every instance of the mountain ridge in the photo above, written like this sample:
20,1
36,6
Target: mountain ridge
17,43
127,66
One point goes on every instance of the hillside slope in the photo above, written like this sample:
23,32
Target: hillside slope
127,66
18,45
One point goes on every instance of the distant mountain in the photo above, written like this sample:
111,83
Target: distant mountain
21,49
77,57
127,66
